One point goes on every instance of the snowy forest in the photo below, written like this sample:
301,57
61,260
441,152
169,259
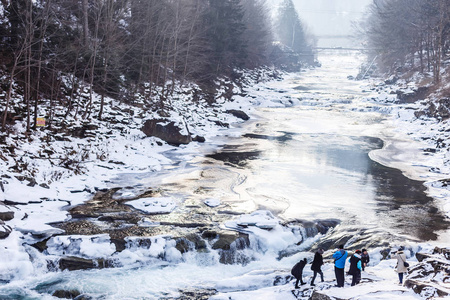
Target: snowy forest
50,49
409,34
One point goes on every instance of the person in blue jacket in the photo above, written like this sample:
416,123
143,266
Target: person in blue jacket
340,257
355,267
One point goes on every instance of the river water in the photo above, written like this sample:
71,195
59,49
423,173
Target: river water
312,161
304,163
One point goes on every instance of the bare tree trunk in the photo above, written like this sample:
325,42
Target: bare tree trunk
29,41
85,23
94,57
437,71
421,53
43,30
10,87
109,12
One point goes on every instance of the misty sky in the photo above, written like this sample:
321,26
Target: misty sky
329,17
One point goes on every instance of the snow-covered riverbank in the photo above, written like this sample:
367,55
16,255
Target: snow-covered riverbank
64,172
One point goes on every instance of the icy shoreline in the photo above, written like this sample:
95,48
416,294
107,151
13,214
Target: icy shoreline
36,207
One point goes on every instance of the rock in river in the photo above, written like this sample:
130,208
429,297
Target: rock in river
167,131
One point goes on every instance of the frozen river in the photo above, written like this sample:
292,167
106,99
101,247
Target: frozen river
305,163
312,161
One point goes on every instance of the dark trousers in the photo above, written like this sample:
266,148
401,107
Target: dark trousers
340,276
400,277
315,274
356,278
301,282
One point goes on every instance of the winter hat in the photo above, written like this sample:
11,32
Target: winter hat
364,250
358,251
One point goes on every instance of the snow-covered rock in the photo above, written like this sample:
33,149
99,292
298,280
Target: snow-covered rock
154,205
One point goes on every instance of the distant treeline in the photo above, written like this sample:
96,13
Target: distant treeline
409,33
121,48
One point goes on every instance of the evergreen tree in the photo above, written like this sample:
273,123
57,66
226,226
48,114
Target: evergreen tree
289,28
225,22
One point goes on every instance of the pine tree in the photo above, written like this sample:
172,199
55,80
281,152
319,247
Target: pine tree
289,28
225,23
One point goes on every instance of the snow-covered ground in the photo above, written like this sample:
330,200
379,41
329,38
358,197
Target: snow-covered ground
69,171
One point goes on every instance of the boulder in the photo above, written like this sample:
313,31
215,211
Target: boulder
429,278
412,96
238,114
225,240
426,289
195,294
5,230
72,294
422,256
6,215
190,242
317,295
167,131
41,246
443,251
199,139
84,131
230,248
73,263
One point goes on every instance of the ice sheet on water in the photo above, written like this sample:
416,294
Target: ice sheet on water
212,202
260,218
154,205
142,249
266,231
14,260
128,193
94,246
146,222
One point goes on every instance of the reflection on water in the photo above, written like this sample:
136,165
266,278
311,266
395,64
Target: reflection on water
313,162
324,176
235,158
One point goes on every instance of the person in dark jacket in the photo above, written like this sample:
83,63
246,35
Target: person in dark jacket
355,267
297,272
364,259
317,265
340,256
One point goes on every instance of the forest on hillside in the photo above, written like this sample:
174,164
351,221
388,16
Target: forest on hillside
409,35
59,53
54,49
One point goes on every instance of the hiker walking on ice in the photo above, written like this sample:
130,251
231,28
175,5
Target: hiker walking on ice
402,265
317,265
297,272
